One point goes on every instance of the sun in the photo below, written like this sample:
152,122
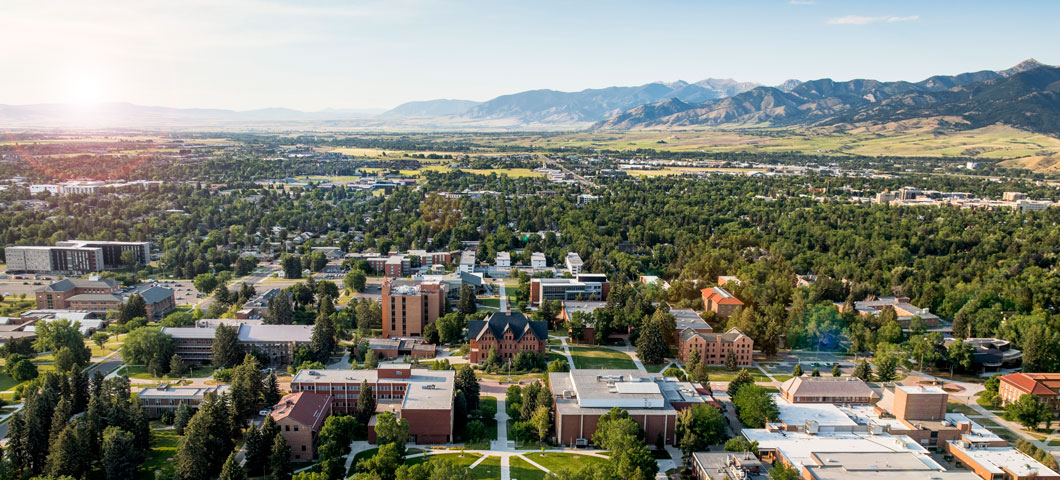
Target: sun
85,87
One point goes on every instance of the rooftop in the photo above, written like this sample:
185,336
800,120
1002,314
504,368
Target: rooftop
499,322
72,283
688,318
827,387
307,408
633,390
825,414
156,294
998,460
181,392
799,448
427,389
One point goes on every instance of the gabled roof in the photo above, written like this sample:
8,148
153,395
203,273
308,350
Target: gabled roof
68,284
1034,383
309,409
730,336
720,296
827,387
517,323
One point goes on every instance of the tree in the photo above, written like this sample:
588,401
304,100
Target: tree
22,370
355,280
279,310
468,303
960,356
257,449
698,428
886,368
176,365
222,296
836,371
612,427
697,372
205,283
783,472
1041,352
651,347
862,371
389,429
755,406
816,372
100,339
232,470
56,334
742,378
740,444
227,352
291,265
322,342
1029,411
797,372
384,464
558,365
120,455
667,324
67,454
279,459
730,361
209,431
271,390
145,343
129,258
467,382
365,403
371,360
542,422
180,419
246,387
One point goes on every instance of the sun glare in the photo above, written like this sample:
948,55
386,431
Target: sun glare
85,87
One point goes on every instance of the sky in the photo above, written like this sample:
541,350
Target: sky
313,55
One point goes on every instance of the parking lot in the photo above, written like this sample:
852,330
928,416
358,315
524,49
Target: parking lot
184,292
13,288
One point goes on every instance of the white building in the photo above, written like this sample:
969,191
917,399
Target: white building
537,261
574,263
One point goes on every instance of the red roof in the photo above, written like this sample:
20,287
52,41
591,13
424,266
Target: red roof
309,409
720,296
1034,383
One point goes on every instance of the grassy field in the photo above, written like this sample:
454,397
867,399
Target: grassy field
596,357
955,407
656,368
160,457
490,468
555,462
522,470
13,307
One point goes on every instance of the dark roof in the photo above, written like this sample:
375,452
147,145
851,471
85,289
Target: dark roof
516,322
67,284
156,294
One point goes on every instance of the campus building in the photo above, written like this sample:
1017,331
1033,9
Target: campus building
112,251
409,306
842,390
277,342
1045,386
902,308
652,400
508,334
73,260
392,348
720,301
79,294
166,398
586,286
714,348
158,301
300,416
422,397
574,263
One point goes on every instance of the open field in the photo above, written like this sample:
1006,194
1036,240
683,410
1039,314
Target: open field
522,470
159,457
595,357
564,461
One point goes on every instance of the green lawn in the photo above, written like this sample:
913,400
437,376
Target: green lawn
6,382
556,462
458,459
522,470
656,368
490,302
604,358
955,407
490,468
160,457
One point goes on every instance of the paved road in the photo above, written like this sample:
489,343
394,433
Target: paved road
106,366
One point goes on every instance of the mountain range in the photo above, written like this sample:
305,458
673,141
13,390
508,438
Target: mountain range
1025,96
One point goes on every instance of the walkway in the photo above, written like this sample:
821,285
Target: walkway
633,355
566,350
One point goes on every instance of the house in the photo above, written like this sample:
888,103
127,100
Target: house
586,286
300,416
422,397
714,348
652,400
166,398
159,301
573,263
409,306
1045,386
827,390
508,334
720,301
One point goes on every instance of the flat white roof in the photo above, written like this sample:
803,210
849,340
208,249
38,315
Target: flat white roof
994,459
798,447
825,414
914,389
637,387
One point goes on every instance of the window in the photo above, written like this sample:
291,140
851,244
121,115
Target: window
303,448
287,428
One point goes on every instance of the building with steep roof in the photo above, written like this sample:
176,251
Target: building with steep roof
79,294
720,301
300,416
159,301
714,348
1045,386
507,333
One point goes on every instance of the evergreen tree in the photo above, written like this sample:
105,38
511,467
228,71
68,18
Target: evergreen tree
226,350
67,454
863,371
798,370
181,418
279,459
371,360
836,371
279,311
467,382
271,390
468,303
176,366
697,372
246,387
816,372
730,361
651,347
322,342
119,454
742,378
232,470
365,403
209,431
257,451
886,368
62,414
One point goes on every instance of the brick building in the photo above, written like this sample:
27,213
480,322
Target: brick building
1046,386
845,390
79,294
159,301
582,396
508,333
422,397
720,301
714,348
408,306
300,416
586,286
166,398
392,348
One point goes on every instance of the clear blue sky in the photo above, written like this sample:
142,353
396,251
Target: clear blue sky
310,55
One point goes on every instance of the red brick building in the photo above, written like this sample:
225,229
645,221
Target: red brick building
422,397
720,301
408,306
1046,386
79,294
508,333
300,416
158,301
714,348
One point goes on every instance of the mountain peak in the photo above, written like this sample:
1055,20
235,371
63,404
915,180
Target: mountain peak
1024,66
